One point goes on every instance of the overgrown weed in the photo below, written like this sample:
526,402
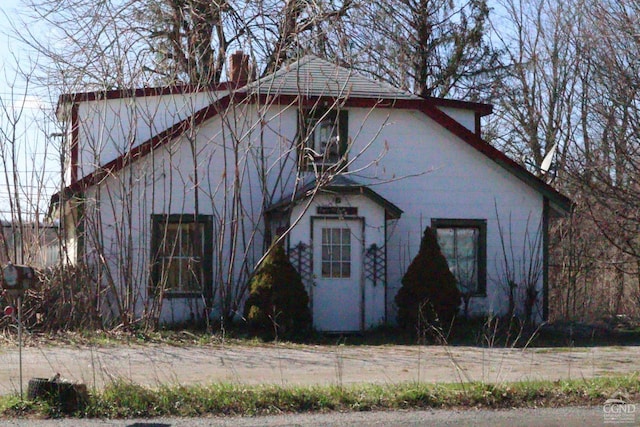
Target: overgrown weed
482,332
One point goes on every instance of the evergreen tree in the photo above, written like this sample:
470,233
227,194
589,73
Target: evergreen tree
278,304
429,293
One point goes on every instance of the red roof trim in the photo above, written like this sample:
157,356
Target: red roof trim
426,106
478,107
141,92
483,109
75,138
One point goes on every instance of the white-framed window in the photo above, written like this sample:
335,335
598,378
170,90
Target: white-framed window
336,253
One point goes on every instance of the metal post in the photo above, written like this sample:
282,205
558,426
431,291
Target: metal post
20,341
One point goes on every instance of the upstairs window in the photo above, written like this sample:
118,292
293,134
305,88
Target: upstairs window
464,244
323,137
181,250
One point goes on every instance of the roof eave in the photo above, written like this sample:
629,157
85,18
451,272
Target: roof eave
391,210
481,108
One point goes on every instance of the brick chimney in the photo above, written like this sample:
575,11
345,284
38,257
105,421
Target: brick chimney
239,68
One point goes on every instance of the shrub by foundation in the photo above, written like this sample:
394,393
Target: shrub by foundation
278,304
429,294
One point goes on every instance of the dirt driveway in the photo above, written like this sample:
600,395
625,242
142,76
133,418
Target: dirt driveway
294,365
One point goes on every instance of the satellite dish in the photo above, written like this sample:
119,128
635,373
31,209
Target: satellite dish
548,159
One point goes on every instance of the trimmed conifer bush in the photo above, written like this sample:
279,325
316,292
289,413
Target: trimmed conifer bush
429,293
278,302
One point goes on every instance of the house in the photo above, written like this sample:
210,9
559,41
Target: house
32,243
175,193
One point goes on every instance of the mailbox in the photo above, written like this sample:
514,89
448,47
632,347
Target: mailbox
17,278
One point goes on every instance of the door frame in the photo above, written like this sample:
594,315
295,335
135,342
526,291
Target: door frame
360,279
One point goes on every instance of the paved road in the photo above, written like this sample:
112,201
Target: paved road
561,417
305,365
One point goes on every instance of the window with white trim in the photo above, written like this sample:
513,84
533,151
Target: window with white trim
336,253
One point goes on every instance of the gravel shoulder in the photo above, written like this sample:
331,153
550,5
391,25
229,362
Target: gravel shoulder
309,365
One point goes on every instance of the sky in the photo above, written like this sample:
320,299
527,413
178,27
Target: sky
37,162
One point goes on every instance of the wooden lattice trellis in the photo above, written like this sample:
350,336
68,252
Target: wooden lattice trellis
301,256
374,264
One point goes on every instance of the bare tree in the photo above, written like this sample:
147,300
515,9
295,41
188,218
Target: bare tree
609,160
110,45
571,88
432,47
537,96
27,181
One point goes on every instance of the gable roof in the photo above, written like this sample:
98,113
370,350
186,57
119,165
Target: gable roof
338,184
310,79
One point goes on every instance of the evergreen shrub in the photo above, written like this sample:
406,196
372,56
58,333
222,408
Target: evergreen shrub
429,293
278,304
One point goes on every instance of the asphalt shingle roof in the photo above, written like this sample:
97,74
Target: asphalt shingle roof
312,76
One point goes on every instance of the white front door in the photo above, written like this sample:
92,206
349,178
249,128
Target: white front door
337,269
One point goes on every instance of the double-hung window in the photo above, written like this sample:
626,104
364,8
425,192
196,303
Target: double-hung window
323,137
181,254
464,244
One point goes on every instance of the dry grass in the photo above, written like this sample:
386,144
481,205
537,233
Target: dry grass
125,400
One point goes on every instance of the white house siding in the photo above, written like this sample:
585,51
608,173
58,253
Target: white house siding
68,224
466,118
109,128
163,183
66,146
374,228
430,173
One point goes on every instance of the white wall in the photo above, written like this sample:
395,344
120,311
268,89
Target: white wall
429,173
109,128
164,183
466,118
